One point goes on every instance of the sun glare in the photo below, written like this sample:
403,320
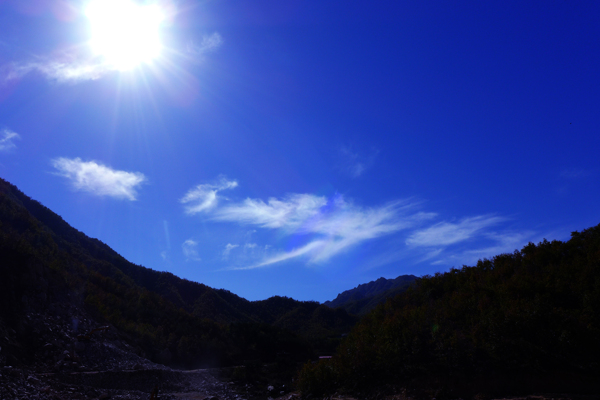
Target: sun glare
125,33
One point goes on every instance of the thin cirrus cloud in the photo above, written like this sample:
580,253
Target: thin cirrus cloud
455,243
209,43
228,249
354,163
7,139
206,196
283,256
98,179
504,242
338,226
189,248
501,242
289,213
67,67
333,225
448,233
76,66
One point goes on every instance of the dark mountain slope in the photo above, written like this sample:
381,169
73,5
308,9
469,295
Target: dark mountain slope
522,322
167,317
367,296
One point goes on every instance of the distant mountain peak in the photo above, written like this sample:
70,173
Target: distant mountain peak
366,296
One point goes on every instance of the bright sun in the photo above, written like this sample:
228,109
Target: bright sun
125,33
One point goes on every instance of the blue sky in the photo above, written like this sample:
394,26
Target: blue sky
301,148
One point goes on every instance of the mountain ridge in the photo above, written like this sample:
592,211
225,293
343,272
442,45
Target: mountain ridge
526,321
160,312
366,296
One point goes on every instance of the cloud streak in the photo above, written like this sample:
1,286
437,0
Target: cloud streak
448,233
284,256
98,179
205,197
189,248
328,226
322,228
288,213
7,139
500,243
79,65
208,43
66,68
354,163
228,249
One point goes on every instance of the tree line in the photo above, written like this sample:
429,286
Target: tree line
529,320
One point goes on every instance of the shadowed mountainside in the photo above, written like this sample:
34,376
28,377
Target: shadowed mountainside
519,323
169,319
367,296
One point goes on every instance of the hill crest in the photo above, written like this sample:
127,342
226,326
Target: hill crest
367,296
45,261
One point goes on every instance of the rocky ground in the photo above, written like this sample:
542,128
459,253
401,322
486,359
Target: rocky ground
72,356
127,384
75,357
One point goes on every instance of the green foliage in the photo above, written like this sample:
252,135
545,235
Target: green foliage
318,379
535,312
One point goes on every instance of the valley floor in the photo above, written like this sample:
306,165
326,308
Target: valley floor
168,384
129,384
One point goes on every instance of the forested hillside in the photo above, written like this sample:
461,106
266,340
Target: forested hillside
527,321
171,320
367,296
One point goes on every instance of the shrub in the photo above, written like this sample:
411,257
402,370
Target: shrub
317,379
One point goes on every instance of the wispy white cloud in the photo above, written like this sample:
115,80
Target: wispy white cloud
7,139
98,179
327,227
205,197
486,243
288,213
283,256
499,243
228,249
209,43
355,163
77,65
64,68
447,233
432,254
333,225
167,236
190,251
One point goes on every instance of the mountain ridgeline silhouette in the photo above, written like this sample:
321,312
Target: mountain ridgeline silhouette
521,322
367,296
168,319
